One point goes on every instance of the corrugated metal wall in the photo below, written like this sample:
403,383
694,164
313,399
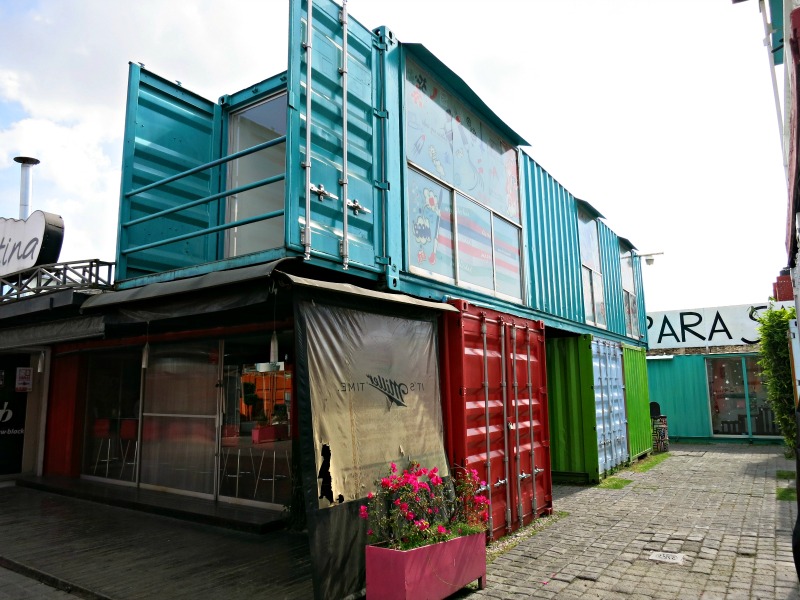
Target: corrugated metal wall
555,250
570,382
609,401
168,130
327,141
637,400
679,384
612,278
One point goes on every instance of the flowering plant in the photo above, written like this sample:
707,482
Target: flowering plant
416,507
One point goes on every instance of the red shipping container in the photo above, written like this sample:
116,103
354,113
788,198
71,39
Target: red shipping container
494,396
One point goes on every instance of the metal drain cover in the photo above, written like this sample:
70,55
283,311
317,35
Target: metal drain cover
667,557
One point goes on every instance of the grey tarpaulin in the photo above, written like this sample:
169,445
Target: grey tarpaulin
368,395
52,332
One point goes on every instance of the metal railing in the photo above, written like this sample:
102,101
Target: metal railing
78,275
205,200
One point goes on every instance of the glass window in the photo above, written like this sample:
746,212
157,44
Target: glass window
474,244
252,126
507,257
593,297
430,226
112,411
738,398
476,169
179,416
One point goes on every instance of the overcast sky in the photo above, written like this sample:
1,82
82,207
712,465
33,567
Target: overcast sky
659,113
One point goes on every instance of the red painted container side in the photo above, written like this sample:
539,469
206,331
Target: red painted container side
507,414
64,434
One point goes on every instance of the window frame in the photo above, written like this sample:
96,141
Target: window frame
457,280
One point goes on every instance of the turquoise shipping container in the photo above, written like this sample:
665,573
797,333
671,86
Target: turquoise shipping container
679,385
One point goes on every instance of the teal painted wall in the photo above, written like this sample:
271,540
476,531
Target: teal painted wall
679,385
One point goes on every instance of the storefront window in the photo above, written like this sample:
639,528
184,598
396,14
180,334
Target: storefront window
112,415
738,398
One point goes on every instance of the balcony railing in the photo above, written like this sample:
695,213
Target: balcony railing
78,275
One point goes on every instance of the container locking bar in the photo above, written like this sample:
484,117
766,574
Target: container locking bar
345,243
320,191
307,163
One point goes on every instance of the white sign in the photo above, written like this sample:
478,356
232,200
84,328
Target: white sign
24,379
667,557
704,327
26,244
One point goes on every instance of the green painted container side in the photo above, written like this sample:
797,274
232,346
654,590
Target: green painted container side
612,278
555,259
680,387
637,400
573,434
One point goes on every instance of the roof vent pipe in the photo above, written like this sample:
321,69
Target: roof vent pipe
26,163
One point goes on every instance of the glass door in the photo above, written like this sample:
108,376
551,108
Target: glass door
255,438
179,417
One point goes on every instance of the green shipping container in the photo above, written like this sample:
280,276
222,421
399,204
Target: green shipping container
573,420
637,401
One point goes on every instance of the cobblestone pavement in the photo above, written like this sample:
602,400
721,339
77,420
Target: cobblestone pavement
714,506
708,515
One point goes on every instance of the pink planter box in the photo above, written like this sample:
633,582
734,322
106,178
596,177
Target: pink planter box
430,572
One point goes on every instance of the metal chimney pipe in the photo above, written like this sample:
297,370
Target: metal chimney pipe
26,163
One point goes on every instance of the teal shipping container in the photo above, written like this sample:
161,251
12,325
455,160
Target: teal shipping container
679,385
371,159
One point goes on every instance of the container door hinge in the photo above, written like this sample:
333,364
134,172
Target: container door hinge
379,44
383,260
382,185
381,114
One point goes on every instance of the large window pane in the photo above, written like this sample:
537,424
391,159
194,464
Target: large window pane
507,258
250,127
179,416
761,416
727,396
588,295
448,140
474,244
429,124
430,228
112,411
590,248
599,299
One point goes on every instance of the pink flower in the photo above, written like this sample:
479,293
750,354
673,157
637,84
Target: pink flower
370,532
441,530
370,496
410,516
363,512
393,467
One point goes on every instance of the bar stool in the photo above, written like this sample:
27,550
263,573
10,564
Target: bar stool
129,432
101,430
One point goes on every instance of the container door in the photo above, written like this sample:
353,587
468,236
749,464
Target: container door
360,132
168,130
637,401
610,413
497,412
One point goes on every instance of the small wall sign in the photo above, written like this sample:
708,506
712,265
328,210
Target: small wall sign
24,379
